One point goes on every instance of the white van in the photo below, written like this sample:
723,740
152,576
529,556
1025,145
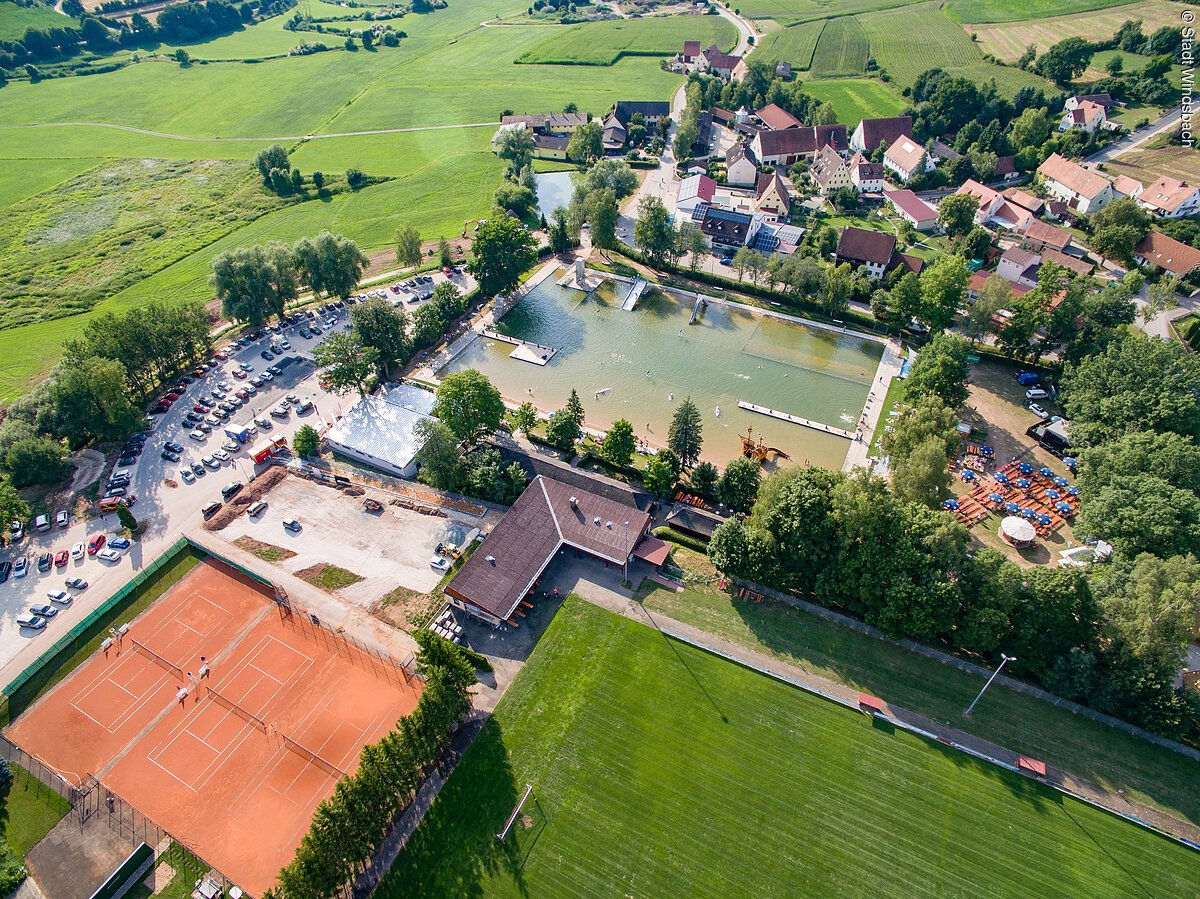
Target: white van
1035,393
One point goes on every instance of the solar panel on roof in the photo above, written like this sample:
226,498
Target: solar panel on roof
765,241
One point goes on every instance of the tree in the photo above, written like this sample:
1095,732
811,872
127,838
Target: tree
619,443
330,264
941,369
91,399
515,197
922,476
825,114
562,430
347,363
1066,60
306,441
603,214
515,145
368,39
355,179
254,283
1137,384
12,507
1138,454
318,180
839,284
942,288
469,404
904,299
269,159
502,251
383,327
36,460
524,418
684,437
1151,605
575,408
408,245
927,417
739,483
560,239
662,474
692,243
1117,229
993,296
614,174
653,231
703,480
445,253
127,521
586,144
956,214
1148,515
1032,128
439,457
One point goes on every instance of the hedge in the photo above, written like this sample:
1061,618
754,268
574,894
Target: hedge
669,534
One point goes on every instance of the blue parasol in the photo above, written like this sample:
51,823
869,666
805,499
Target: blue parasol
1043,518
1069,462
1025,468
1072,491
1060,506
968,475
986,451
1052,494
1045,472
950,504
1011,508
1027,512
1001,478
1023,483
1060,481
995,498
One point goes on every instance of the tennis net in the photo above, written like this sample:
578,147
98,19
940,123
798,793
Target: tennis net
304,752
248,717
163,663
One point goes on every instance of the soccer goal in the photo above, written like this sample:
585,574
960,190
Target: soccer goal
515,813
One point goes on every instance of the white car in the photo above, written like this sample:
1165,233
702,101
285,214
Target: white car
210,462
231,446
221,456
267,376
21,567
109,555
187,475
439,563
62,597
198,435
280,412
245,366
78,551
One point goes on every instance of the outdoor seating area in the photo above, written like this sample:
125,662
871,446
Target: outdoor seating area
1038,495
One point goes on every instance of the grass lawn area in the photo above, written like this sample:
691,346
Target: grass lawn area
328,577
603,43
661,770
16,20
1148,166
1105,756
911,39
895,394
268,552
793,45
28,810
791,12
1048,23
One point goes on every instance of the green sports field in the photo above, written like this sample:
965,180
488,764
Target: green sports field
661,770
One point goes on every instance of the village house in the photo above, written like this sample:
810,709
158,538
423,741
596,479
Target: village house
870,133
1038,235
1082,190
772,197
907,159
728,228
550,146
694,191
1167,253
1006,168
912,209
741,167
775,118
1019,266
1170,198
790,146
714,62
996,210
1124,186
874,252
549,123
651,111
1082,115
831,171
613,134
691,49
866,176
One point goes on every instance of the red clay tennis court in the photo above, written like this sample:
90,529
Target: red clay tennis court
236,766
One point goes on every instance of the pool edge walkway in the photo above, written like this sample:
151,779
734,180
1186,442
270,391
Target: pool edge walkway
889,368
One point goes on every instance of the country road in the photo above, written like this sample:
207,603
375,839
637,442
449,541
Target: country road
1135,139
251,139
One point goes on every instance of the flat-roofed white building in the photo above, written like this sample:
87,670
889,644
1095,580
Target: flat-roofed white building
381,431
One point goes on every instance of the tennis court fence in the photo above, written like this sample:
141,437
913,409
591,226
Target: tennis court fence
155,657
45,778
382,664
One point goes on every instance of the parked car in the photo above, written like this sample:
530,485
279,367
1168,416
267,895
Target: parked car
291,524
199,470
439,563
127,460
267,356
210,509
96,544
231,446
173,447
63,518
210,462
221,455
60,558
255,509
61,596
285,344
33,622
264,423
198,435
1038,410
119,543
21,567
246,366
187,476
45,560
279,412
230,489
109,555
240,375
43,611
16,531
169,456
5,570
78,551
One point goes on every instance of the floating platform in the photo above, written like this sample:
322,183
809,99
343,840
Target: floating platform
639,287
796,420
525,350
586,284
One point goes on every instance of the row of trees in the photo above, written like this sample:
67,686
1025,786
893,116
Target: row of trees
349,826
255,283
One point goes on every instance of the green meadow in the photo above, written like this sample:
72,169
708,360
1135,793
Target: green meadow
661,770
603,43
980,11
16,20
857,98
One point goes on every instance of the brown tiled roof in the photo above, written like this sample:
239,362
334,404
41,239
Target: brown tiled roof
1073,263
857,245
885,131
1006,165
550,142
806,140
540,522
721,115
1058,238
914,264
1168,253
691,49
765,180
718,60
1166,194
1104,100
1073,176
777,119
906,153
910,203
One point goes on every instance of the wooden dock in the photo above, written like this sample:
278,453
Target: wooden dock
796,420
639,287
526,350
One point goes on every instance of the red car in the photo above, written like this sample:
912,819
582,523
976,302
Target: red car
96,544
239,374
60,558
170,397
221,354
200,408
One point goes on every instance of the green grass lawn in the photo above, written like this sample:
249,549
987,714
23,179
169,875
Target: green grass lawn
910,40
661,770
16,20
857,98
603,43
970,11
791,12
842,49
1105,756
793,45
28,810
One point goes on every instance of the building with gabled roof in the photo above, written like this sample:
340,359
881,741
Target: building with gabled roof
713,61
1124,186
830,170
870,133
1082,190
867,176
871,250
1082,116
381,430
729,228
741,166
907,158
1036,235
793,144
547,517
651,111
1170,198
694,191
912,209
776,118
772,196
1167,253
691,49
1019,266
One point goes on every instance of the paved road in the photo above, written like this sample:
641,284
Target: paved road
1135,139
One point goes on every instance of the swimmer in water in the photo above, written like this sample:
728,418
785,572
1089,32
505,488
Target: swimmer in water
670,397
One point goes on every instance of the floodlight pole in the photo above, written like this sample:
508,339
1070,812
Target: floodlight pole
1003,659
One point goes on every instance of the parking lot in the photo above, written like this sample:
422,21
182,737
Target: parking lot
387,549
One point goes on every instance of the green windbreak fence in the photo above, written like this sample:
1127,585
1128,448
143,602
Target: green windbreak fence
121,881
71,649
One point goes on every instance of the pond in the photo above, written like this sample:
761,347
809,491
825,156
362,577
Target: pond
554,189
639,365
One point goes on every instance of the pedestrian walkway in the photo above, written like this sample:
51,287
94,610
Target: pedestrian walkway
889,368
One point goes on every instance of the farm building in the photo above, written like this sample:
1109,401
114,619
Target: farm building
874,251
912,209
549,146
381,431
793,144
549,516
693,191
870,133
775,118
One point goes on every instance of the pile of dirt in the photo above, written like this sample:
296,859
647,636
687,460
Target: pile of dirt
257,489
268,552
405,609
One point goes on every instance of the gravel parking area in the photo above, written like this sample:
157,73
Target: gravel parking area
386,549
